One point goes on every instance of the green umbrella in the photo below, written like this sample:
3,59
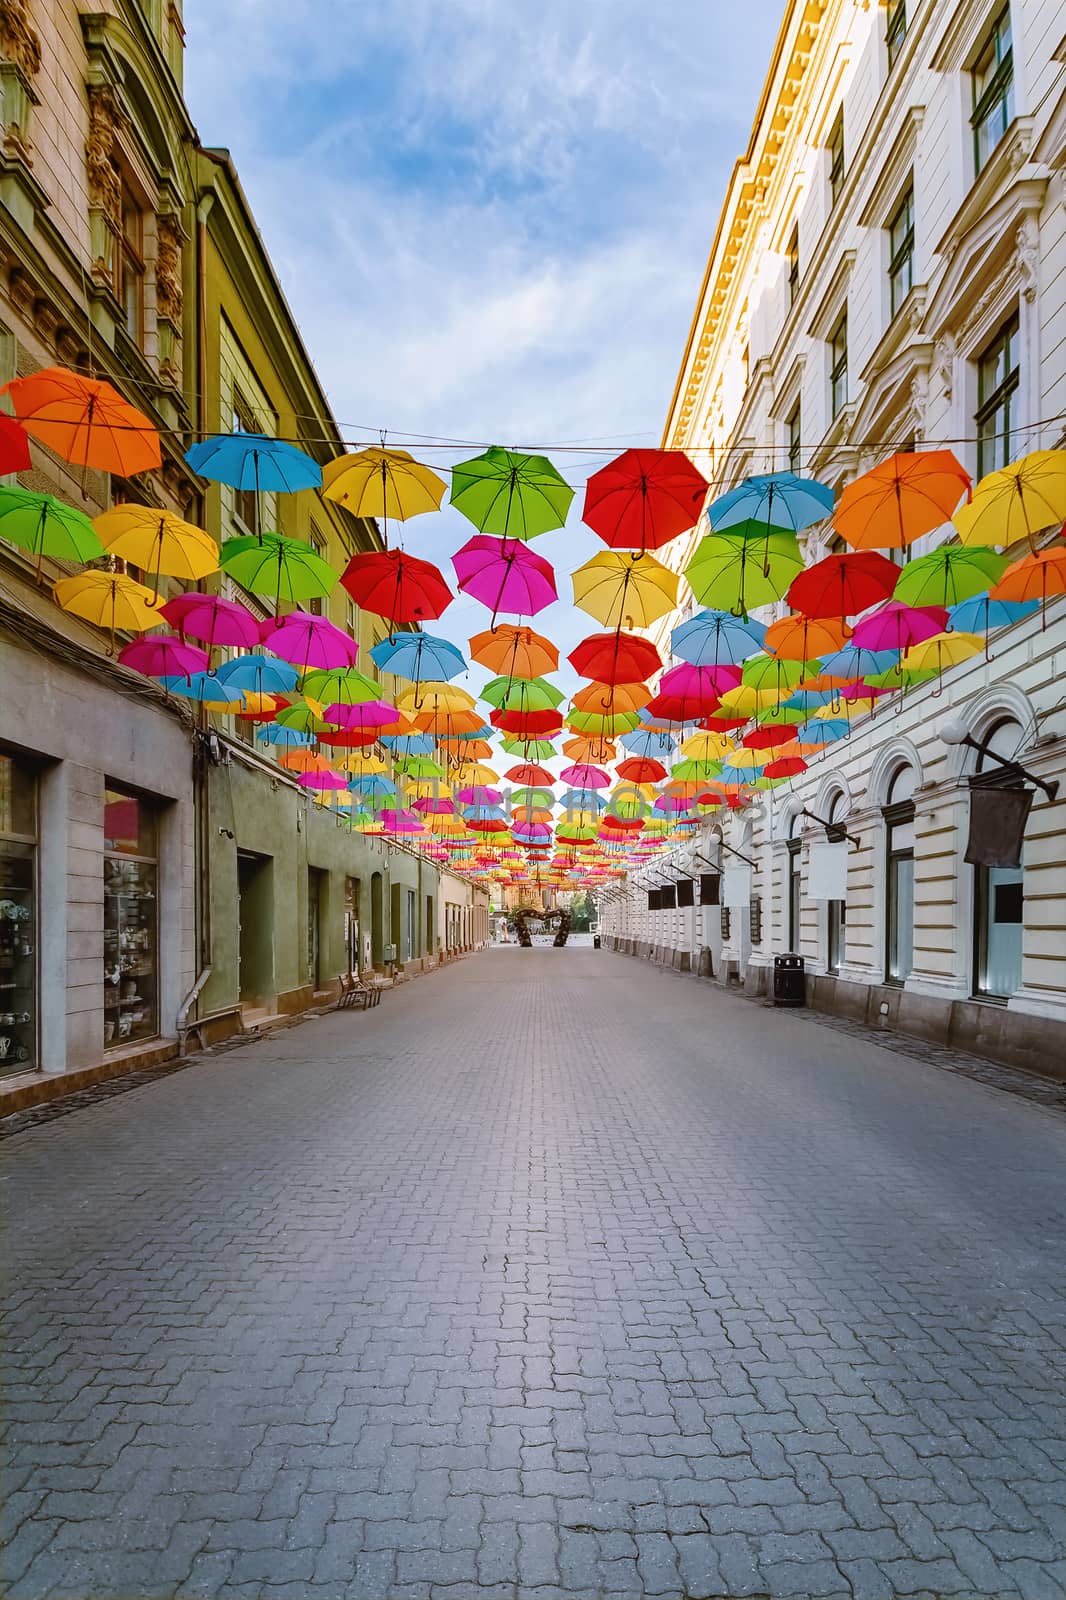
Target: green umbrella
47,527
901,677
769,672
602,725
691,771
740,569
418,766
951,574
530,749
522,694
533,799
302,718
340,686
288,569
781,717
513,495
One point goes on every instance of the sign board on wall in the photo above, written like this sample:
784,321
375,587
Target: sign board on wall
736,884
827,872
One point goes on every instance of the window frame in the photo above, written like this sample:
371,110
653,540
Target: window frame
997,405
901,255
898,815
895,29
128,265
837,161
993,63
837,343
245,500
992,776
794,427
792,255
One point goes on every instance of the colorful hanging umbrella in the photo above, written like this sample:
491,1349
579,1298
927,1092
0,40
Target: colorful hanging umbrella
160,655
772,672
1038,577
418,656
625,590
157,541
302,716
85,421
212,619
322,780
366,719
528,749
950,574
745,567
308,640
271,564
843,585
584,776
14,447
589,751
397,586
894,626
637,769
982,614
522,694
773,500
652,746
517,652
945,650
1018,501
340,686
512,495
644,498
717,638
901,499
603,724
803,638
258,674
109,600
47,527
855,662
254,461
206,690
276,733
615,658
504,575
612,697
382,483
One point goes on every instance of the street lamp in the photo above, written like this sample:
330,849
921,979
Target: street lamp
953,730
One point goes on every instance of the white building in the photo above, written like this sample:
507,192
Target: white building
888,273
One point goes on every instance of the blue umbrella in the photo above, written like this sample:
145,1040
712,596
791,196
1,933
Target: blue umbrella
409,744
716,639
204,686
371,783
652,746
420,657
736,774
810,699
276,733
775,499
824,730
254,461
982,615
855,662
259,674
582,800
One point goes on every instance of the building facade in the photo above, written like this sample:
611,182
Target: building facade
889,273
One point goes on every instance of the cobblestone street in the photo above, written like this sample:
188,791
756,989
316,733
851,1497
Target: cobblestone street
554,1275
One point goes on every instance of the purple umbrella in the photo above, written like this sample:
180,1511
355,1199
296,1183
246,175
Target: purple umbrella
400,822
161,655
363,718
478,795
209,617
309,641
895,626
863,691
698,682
505,575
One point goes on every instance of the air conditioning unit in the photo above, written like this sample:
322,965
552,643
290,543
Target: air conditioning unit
389,953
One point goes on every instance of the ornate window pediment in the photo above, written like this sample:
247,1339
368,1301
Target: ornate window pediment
986,256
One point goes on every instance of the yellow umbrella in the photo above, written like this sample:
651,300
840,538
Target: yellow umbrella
382,483
1016,502
707,746
474,774
428,789
745,760
157,541
623,589
943,650
744,701
110,600
358,764
436,697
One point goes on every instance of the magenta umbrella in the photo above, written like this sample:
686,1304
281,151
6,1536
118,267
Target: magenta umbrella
478,795
309,641
322,780
895,626
400,822
505,575
161,655
672,802
699,683
209,617
585,777
431,807
363,718
863,691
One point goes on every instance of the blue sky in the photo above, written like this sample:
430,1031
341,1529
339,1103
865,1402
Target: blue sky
491,220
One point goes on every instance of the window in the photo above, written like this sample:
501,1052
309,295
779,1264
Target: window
895,29
838,366
795,886
409,930
351,618
129,264
998,377
836,156
793,256
245,501
999,892
836,910
317,542
131,930
837,545
794,426
898,813
992,77
901,251
18,914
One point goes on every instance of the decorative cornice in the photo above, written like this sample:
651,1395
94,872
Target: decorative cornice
18,37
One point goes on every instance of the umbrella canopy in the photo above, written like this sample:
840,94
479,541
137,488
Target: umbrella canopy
522,694
901,499
382,483
583,748
603,724
744,567
47,527
515,651
612,697
157,541
842,585
109,600
528,772
258,674
206,690
615,658
254,461
644,498
531,749
1016,502
212,619
945,650
583,776
14,446
803,638
418,656
652,746
504,575
302,716
774,500
367,718
290,738
894,626
160,655
85,421
855,662
982,614
948,575
397,586
771,672
309,641
322,780
340,686
717,638
638,769
271,564
512,495
437,697
625,590
1036,577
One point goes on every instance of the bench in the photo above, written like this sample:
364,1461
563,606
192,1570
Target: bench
355,991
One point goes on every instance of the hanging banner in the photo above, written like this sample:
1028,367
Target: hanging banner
827,872
997,826
736,885
654,902
710,884
686,892
669,898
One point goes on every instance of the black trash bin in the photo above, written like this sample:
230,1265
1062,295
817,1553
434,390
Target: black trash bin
790,981
595,941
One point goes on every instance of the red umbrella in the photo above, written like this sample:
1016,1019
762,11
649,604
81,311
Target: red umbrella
787,767
644,499
767,738
840,586
638,769
395,585
528,724
14,446
615,658
529,773
721,724
680,708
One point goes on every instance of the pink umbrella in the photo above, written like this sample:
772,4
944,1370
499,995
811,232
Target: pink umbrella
534,830
209,617
699,682
364,718
585,777
863,691
505,575
672,802
895,626
478,795
322,780
400,822
435,808
309,641
161,655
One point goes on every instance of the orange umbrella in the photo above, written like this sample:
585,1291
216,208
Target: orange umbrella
85,421
465,749
304,761
897,501
800,638
1036,577
514,651
530,774
594,751
612,697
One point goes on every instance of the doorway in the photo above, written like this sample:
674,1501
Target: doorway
351,923
255,927
314,936
377,930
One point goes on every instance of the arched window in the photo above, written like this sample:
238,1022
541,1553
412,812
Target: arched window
998,891
898,812
795,883
836,910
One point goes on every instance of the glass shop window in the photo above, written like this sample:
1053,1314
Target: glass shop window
131,919
18,914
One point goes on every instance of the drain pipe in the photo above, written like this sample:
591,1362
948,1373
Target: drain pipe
183,1026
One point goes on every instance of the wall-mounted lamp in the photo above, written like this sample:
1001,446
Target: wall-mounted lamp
953,730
